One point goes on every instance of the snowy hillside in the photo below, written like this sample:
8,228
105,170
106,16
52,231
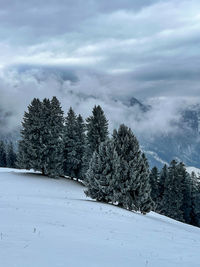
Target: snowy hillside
193,169
50,223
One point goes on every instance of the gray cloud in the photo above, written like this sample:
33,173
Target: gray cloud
154,42
17,89
90,52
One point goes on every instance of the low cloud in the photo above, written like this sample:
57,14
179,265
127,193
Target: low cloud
105,53
17,89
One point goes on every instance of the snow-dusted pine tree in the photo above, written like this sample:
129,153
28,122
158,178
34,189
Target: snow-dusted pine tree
131,188
40,147
31,143
45,137
3,162
97,132
185,181
70,142
144,199
101,172
173,193
195,200
80,146
11,156
53,134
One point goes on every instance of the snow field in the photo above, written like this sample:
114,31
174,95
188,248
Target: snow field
48,222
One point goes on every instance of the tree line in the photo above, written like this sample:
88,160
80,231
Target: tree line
113,167
176,193
7,155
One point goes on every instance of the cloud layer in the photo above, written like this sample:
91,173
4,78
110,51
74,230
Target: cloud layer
101,52
19,88
156,43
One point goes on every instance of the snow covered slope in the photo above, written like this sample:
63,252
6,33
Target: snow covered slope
193,169
50,223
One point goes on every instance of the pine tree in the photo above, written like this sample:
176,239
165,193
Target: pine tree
40,147
127,148
131,188
11,156
161,187
3,162
154,179
195,200
80,147
97,132
97,128
146,204
101,172
31,143
53,156
173,193
185,181
119,173
45,135
70,142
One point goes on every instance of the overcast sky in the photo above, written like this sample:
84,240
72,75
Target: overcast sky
109,48
153,44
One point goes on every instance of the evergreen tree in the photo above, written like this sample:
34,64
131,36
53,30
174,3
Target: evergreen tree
195,200
3,162
154,179
173,193
70,142
97,132
80,146
119,173
101,172
11,156
180,196
40,147
74,145
131,188
161,187
146,204
45,135
53,137
31,143
185,181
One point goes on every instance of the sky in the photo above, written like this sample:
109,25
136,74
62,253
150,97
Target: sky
102,50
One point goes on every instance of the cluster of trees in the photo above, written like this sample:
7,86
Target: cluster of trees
7,155
113,169
118,173
176,193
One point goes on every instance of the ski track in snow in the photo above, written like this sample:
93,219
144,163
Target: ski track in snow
48,222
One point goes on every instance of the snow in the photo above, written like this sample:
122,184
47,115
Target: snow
193,169
50,223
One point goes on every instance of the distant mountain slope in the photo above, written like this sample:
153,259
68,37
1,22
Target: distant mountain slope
132,102
183,144
48,222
